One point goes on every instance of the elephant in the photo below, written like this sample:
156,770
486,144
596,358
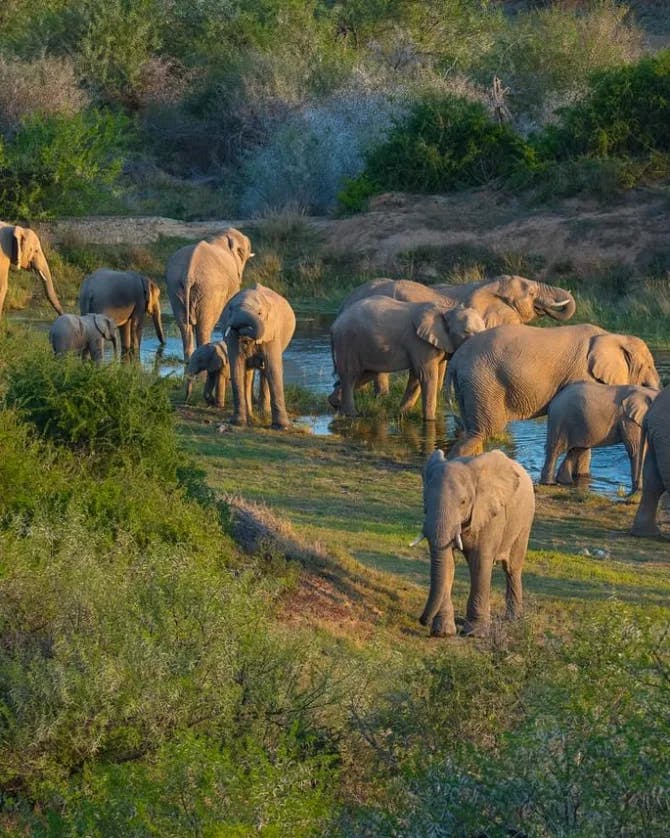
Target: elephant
484,506
84,335
200,279
126,297
656,468
21,248
587,415
503,300
211,358
513,372
258,324
384,335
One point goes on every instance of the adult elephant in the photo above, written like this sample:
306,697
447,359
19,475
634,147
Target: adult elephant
258,324
21,248
656,468
200,279
513,372
485,507
126,297
384,335
503,300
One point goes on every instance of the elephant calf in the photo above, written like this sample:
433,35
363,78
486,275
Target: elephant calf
379,334
588,415
211,358
656,468
484,506
84,335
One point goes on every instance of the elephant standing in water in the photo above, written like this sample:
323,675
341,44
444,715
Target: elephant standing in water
126,297
84,335
258,325
211,358
656,468
383,335
587,415
200,279
21,248
513,372
484,506
503,300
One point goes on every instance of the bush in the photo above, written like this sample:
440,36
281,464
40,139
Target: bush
60,164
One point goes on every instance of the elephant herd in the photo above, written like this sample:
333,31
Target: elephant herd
596,388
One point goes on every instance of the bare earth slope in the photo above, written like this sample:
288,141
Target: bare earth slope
590,235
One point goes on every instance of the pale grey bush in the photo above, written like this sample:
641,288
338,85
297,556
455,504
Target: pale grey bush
44,86
314,149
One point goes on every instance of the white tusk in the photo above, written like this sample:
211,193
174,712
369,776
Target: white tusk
417,540
227,332
560,305
251,254
459,542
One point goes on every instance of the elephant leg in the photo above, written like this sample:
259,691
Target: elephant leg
210,385
264,394
581,463
126,340
441,374
347,385
635,453
186,333
238,373
3,293
220,389
471,445
478,613
512,568
428,381
381,384
553,449
204,328
96,349
411,394
444,623
274,373
652,489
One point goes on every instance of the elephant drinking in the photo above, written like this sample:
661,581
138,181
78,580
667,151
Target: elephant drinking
21,248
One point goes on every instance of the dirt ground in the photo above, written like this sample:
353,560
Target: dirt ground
631,232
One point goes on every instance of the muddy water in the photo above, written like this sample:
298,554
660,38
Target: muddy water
308,363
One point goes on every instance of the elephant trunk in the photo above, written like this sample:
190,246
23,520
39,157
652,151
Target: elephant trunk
557,303
248,324
158,323
189,387
441,571
41,265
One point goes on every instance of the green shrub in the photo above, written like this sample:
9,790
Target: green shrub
62,164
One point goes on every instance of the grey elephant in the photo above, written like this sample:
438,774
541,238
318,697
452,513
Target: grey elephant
84,335
258,324
587,415
379,334
656,468
200,279
126,297
484,506
21,248
502,300
513,372
211,358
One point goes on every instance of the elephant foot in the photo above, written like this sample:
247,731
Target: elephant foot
238,421
476,629
442,627
280,426
646,531
545,481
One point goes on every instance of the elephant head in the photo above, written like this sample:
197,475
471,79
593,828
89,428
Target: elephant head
248,314
459,496
239,245
534,299
622,359
27,254
446,329
152,295
107,328
210,358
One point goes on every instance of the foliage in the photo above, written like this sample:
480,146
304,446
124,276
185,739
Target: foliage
60,164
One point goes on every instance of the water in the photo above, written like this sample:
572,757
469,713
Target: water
308,363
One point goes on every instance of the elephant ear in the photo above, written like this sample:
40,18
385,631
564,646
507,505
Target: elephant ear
267,311
608,360
430,326
146,287
219,358
635,407
496,482
18,239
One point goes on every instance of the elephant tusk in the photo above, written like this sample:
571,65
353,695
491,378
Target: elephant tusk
562,304
251,254
227,332
459,542
417,540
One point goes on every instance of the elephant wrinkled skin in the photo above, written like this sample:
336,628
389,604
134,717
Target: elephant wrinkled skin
126,297
84,335
258,324
513,372
588,415
484,506
384,335
211,358
21,248
200,279
656,468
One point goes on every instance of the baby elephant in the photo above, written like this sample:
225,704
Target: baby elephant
587,415
211,358
484,506
84,335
